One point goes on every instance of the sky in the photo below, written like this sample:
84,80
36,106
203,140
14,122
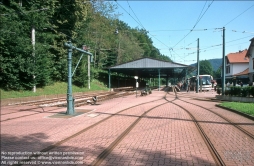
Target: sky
175,26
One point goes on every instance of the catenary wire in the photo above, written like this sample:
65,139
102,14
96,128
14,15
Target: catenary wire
141,24
238,15
194,25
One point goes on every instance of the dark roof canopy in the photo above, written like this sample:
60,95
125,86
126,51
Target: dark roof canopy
149,68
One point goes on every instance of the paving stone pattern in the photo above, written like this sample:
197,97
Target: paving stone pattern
164,136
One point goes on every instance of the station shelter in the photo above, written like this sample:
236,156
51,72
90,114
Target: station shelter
147,68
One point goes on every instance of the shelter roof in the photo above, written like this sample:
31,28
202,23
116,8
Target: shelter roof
148,63
245,72
150,68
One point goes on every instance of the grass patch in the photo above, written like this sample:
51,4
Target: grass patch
247,108
56,88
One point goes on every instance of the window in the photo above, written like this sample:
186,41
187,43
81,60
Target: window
227,69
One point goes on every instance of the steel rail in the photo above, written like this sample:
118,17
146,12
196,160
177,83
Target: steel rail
224,118
216,156
82,131
110,148
40,101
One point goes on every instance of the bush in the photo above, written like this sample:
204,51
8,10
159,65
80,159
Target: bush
235,91
241,91
251,91
244,92
227,92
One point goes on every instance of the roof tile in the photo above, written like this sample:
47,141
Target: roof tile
238,57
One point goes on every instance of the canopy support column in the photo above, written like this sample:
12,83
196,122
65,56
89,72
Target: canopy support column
167,81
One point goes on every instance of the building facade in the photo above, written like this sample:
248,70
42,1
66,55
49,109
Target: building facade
236,63
250,56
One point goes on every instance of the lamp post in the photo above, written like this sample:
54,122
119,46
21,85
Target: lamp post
136,78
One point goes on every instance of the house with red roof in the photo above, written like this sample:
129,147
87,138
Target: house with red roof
250,56
237,65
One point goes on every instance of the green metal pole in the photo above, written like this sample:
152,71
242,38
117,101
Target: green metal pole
159,79
70,100
70,109
186,85
223,63
197,83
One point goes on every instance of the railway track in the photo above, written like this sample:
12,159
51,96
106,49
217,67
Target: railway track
212,149
104,153
217,154
141,114
31,114
235,124
109,149
62,101
41,105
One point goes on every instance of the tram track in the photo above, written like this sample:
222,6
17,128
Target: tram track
109,149
27,109
230,122
62,100
8,119
210,144
103,155
46,101
226,119
105,97
216,156
51,147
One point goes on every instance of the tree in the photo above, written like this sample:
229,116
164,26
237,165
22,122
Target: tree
18,63
205,68
217,74
92,23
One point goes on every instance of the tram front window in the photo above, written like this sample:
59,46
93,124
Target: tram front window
206,80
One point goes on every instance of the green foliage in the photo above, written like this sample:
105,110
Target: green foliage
239,91
235,91
244,92
92,23
205,68
217,73
80,77
251,91
20,62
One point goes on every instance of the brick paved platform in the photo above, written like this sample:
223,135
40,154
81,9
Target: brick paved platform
164,136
